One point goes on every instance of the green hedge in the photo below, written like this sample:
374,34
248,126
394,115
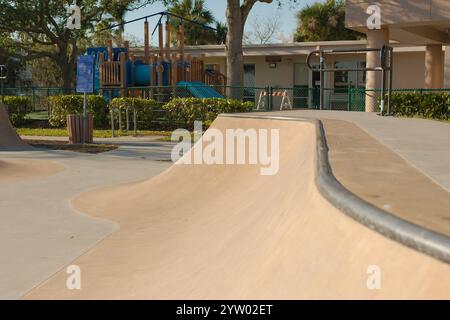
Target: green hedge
145,110
62,106
184,111
426,105
18,107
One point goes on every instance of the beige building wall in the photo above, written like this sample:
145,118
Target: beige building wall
409,69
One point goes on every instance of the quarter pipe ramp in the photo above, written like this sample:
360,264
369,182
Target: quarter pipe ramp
228,232
8,136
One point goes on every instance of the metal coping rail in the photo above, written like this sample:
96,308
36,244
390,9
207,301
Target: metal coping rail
419,238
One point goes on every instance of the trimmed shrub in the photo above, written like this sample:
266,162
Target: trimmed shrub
425,105
62,106
184,111
18,107
145,110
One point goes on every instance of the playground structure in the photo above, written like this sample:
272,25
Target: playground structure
116,69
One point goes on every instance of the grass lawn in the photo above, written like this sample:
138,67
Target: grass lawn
97,133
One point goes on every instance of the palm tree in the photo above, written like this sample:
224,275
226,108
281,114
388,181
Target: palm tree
221,32
194,10
324,22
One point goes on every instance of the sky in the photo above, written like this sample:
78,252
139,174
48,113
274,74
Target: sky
218,7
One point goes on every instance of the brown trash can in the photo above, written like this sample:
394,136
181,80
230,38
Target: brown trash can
75,129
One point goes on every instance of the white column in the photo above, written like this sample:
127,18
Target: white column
434,66
447,67
375,39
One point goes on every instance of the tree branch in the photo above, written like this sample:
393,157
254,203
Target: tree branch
247,7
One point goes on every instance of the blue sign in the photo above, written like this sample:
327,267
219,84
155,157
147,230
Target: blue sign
85,74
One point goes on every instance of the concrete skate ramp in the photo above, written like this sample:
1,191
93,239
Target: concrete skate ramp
227,232
8,136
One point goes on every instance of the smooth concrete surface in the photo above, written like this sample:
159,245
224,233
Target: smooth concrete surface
359,163
19,170
227,232
425,144
40,231
149,147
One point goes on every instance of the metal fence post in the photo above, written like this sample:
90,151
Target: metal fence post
349,98
135,121
266,98
270,98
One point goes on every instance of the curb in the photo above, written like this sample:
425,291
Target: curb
409,234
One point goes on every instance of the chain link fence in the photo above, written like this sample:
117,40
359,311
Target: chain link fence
264,98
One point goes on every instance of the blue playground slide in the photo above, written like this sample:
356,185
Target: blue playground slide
200,90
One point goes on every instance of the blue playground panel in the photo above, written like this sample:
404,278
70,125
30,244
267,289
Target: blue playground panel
143,74
200,90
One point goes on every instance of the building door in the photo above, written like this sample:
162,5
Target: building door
344,81
314,92
249,82
301,85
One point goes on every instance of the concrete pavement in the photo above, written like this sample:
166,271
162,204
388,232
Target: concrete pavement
40,231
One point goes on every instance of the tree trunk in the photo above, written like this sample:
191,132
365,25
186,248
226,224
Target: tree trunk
235,56
66,63
67,76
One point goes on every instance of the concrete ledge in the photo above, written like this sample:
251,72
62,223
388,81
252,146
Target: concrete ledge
409,234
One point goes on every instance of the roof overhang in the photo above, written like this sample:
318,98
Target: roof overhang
417,22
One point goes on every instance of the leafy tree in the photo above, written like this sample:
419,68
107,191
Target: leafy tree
13,65
324,22
38,28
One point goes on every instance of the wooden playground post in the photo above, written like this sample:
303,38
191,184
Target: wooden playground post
174,73
181,41
102,75
123,73
152,74
168,40
126,45
146,43
202,68
194,69
133,71
189,68
160,71
160,40
174,68
110,50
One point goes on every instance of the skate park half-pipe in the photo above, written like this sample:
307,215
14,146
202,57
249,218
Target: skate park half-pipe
227,232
